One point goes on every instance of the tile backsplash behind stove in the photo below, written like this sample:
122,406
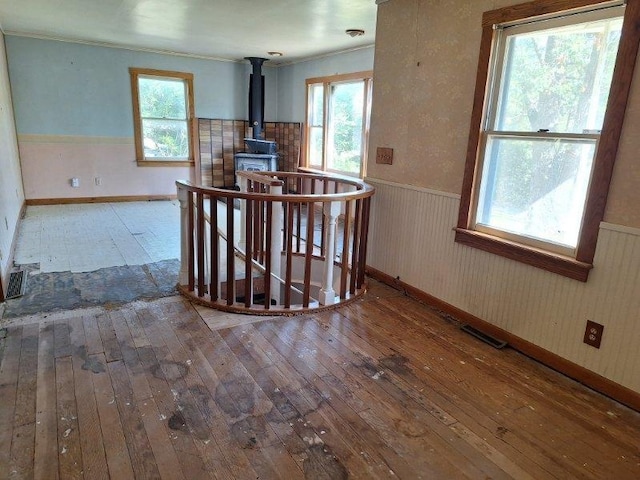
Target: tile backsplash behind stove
220,140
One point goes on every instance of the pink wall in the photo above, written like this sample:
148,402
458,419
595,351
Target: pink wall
49,162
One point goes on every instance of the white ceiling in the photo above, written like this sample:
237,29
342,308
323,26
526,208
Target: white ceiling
226,29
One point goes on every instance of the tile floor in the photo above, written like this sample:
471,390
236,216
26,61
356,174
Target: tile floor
85,255
88,237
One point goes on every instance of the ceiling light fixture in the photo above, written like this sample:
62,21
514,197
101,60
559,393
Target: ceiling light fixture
275,54
354,32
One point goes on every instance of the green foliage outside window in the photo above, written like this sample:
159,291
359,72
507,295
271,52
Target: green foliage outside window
164,118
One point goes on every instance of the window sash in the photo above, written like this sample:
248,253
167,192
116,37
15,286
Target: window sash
490,131
577,268
181,123
327,125
569,193
506,31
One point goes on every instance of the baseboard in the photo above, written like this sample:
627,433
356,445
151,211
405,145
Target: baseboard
592,380
115,199
4,276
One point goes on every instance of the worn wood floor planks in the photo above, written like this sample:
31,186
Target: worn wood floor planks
383,388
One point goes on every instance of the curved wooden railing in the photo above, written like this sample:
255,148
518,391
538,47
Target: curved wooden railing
286,243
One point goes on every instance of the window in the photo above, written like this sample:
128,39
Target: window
545,132
338,109
163,114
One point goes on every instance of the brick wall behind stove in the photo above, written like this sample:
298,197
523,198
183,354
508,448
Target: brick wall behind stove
219,140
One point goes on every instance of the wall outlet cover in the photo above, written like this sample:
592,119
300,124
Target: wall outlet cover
593,334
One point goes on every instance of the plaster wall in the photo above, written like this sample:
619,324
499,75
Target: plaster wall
11,192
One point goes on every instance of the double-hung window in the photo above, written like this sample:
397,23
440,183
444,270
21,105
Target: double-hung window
338,111
163,114
534,160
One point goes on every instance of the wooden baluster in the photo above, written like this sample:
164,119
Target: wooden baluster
345,250
267,257
325,190
308,257
289,239
248,271
355,245
243,182
312,206
231,271
215,246
299,222
256,228
364,235
185,232
274,228
285,209
263,189
191,254
200,242
259,213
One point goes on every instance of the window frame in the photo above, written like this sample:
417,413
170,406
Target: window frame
187,78
576,267
327,82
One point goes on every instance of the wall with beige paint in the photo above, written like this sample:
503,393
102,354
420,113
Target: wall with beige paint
425,67
426,59
11,193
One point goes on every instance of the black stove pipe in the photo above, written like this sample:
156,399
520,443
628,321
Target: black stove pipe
256,97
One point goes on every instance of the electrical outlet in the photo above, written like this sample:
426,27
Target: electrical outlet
384,155
75,182
593,334
98,181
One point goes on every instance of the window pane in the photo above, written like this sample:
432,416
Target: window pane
161,98
165,139
345,127
558,79
536,187
315,146
316,97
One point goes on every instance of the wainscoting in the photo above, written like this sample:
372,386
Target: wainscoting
412,237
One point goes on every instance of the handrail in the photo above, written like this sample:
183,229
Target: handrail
274,261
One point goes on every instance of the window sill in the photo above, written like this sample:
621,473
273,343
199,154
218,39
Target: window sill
166,163
565,266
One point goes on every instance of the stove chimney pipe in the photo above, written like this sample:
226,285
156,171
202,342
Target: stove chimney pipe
256,97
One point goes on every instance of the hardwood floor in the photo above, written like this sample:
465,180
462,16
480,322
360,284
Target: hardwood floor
383,388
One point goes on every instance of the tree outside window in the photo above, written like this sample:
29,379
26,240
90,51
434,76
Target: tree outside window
338,110
552,88
163,113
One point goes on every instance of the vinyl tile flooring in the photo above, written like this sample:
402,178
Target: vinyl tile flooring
87,237
83,255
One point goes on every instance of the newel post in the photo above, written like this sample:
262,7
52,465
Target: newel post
184,198
330,210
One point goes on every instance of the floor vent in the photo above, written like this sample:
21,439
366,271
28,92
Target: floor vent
17,284
494,342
